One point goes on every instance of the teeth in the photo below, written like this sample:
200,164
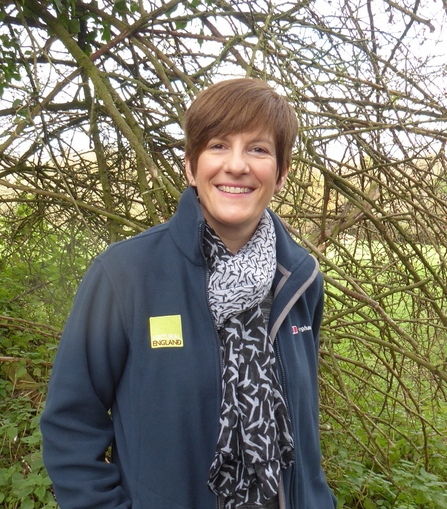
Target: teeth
234,190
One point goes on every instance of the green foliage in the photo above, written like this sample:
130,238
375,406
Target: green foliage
23,479
120,7
385,445
9,69
40,268
411,486
41,264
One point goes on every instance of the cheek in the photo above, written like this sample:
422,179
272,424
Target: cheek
206,170
269,176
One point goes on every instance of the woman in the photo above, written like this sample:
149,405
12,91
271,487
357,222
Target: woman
166,354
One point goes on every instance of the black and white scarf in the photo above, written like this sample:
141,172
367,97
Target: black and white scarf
255,439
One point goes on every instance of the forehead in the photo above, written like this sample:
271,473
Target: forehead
265,135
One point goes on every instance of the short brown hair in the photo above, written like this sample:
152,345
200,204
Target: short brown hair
236,106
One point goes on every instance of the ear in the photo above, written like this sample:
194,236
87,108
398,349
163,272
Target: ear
189,175
281,181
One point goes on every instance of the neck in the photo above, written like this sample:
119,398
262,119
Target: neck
232,238
233,245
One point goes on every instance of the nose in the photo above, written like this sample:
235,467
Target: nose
236,162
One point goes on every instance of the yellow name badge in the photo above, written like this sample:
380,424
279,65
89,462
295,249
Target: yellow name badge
166,331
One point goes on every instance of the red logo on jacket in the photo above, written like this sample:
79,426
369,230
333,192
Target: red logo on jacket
297,330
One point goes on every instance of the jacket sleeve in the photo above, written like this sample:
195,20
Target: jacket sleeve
318,313
76,424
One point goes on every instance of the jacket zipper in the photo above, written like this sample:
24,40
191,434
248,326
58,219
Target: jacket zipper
216,332
283,377
301,290
219,347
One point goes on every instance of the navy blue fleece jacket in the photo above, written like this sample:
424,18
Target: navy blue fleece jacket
150,387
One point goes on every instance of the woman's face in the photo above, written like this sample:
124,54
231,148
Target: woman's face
236,177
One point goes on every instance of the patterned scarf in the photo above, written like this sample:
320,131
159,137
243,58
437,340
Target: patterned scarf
255,439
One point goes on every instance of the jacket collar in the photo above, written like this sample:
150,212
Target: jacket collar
187,224
290,256
186,227
296,271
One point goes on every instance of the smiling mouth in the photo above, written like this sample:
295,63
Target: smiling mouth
234,190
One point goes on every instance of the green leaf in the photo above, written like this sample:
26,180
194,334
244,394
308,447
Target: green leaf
21,371
120,6
74,26
91,36
58,5
40,492
64,21
106,33
27,503
23,112
171,11
12,433
369,504
31,440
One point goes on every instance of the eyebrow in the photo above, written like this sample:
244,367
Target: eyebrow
256,140
265,140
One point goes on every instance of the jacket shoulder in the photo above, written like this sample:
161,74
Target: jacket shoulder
135,248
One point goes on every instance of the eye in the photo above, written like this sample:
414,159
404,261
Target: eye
260,150
215,145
